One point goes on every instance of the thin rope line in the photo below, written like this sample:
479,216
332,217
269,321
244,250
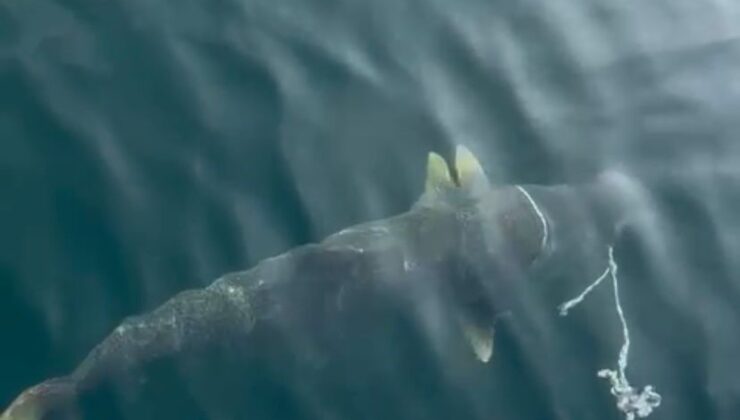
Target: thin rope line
630,401
565,307
539,214
624,351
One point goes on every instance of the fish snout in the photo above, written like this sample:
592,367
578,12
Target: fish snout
619,200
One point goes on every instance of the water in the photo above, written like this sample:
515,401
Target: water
149,147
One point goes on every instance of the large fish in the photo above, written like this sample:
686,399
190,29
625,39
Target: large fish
466,245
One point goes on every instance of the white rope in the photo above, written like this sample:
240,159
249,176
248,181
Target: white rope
578,299
539,214
629,401
624,351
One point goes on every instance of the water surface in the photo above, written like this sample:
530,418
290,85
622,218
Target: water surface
149,147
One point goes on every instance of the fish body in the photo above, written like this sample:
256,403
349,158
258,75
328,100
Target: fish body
464,250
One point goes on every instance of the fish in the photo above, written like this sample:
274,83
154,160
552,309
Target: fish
467,244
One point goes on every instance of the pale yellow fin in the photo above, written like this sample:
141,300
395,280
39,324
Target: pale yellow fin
438,174
480,340
36,402
470,173
25,407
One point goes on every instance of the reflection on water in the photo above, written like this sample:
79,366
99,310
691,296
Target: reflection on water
150,147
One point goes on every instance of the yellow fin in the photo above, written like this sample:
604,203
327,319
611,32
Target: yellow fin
470,173
438,174
480,340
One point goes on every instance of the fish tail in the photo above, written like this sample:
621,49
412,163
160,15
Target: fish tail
38,401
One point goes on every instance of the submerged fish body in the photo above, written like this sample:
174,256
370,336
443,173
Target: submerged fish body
466,246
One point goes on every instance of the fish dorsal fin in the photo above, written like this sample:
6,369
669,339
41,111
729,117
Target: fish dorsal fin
438,174
480,339
470,173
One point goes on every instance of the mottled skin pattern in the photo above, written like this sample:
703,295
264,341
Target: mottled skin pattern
468,251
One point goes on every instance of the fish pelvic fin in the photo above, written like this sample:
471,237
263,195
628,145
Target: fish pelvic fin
480,338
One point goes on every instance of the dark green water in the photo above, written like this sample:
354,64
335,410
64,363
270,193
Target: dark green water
147,147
